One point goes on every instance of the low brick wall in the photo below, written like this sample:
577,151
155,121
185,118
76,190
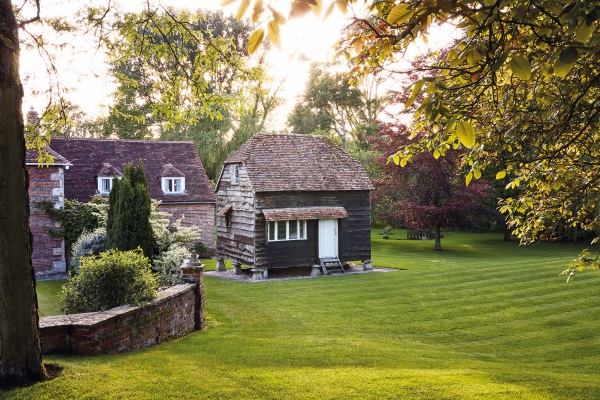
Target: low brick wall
176,312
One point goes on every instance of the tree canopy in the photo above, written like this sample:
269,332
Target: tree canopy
518,88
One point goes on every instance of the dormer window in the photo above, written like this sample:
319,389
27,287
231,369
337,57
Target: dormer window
172,180
105,178
104,184
173,185
234,170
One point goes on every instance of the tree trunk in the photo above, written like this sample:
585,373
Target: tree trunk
507,234
20,353
438,238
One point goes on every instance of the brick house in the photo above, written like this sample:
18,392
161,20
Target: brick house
174,173
292,200
46,182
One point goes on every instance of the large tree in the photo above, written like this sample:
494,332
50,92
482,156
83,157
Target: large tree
329,105
20,353
520,87
187,76
428,194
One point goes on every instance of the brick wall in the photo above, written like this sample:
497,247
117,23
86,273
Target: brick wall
46,183
176,312
199,215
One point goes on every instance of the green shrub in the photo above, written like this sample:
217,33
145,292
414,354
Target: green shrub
168,262
88,243
108,280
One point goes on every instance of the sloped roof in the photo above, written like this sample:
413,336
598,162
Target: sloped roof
89,156
32,155
292,162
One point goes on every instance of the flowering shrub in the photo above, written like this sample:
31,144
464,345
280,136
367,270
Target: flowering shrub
168,262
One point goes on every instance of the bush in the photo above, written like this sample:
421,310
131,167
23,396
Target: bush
108,280
167,264
88,243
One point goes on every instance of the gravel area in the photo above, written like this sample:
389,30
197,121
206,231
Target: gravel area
278,274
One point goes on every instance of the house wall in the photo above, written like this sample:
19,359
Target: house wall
236,242
46,183
354,231
195,215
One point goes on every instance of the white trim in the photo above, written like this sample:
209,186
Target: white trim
100,185
234,172
165,184
301,233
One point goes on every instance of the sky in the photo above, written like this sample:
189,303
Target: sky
83,71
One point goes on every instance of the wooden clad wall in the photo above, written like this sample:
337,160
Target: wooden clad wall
236,242
354,231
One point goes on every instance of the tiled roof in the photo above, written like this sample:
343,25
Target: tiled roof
291,162
302,213
89,156
31,157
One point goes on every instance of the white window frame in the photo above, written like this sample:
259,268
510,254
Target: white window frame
167,179
234,171
100,186
273,226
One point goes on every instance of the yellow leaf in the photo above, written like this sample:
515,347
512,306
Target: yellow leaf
520,67
477,174
273,33
466,134
396,159
468,178
329,10
342,6
556,185
277,16
318,8
403,162
255,40
399,14
242,9
225,3
500,174
358,45
258,9
436,154
388,48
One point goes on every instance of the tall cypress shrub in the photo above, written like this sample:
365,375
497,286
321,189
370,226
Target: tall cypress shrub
128,225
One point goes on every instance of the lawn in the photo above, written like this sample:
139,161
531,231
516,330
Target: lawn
482,319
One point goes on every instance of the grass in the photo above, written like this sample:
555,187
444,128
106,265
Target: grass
483,319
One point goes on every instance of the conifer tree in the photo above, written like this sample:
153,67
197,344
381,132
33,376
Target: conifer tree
128,225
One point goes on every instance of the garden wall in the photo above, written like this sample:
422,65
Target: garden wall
176,312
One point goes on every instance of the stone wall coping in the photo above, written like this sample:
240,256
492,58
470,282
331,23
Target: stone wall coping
93,318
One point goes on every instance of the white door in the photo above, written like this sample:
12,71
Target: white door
328,238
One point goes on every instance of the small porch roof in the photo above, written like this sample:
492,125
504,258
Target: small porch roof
304,213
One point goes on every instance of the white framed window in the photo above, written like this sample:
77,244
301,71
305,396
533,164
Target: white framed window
286,230
105,184
234,170
173,185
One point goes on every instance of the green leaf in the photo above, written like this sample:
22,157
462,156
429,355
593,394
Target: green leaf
500,174
415,92
568,55
584,32
399,14
520,67
466,134
255,40
561,69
